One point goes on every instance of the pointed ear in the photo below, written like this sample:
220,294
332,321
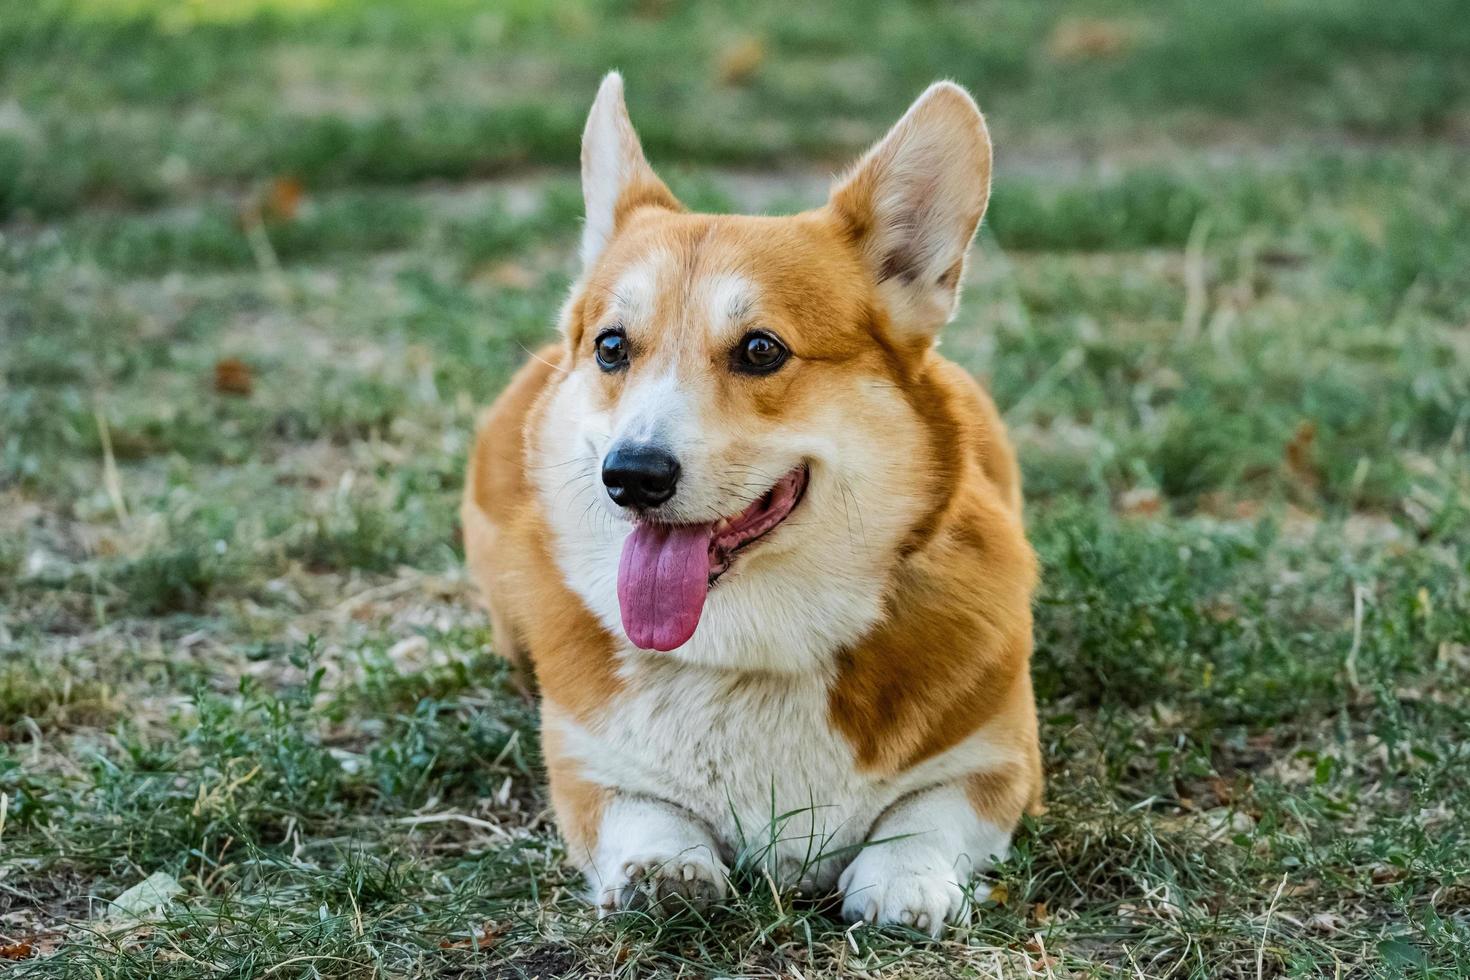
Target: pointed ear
616,179
913,202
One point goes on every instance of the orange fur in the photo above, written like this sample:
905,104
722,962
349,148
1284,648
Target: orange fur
534,616
578,801
949,655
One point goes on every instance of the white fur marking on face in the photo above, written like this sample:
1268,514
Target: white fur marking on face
635,294
649,407
729,301
655,411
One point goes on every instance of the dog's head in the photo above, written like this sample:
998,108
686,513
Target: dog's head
739,438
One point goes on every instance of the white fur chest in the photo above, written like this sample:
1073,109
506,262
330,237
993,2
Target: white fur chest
752,756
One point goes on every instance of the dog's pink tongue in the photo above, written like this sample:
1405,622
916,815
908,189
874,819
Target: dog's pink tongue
662,581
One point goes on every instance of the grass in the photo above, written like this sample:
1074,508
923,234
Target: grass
254,287
358,92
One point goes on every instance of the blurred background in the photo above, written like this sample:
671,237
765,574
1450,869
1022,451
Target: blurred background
261,262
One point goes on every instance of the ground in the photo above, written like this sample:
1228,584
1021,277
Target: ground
260,262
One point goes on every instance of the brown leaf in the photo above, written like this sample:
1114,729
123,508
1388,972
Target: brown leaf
1300,459
511,275
1385,873
16,951
1141,502
1044,961
488,938
653,9
1218,504
1325,922
283,199
233,376
740,60
1088,39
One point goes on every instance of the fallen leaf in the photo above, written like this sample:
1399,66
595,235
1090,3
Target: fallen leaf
283,199
1281,258
1384,873
41,943
1141,502
653,9
233,376
16,951
1300,462
1044,961
511,275
1215,504
154,891
1222,822
740,59
1327,922
488,938
1088,38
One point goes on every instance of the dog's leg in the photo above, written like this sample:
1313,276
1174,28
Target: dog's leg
654,857
635,851
508,645
924,849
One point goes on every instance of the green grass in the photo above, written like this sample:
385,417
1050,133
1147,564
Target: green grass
359,91
1221,297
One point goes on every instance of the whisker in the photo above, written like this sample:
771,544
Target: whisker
847,491
565,462
535,356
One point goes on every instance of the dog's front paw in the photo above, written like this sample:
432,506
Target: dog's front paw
893,885
664,883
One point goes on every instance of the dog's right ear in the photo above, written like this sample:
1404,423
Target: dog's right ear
616,178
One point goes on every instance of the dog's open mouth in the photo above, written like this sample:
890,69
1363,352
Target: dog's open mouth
755,522
667,569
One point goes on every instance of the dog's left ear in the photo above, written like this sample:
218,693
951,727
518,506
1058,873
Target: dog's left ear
912,204
616,177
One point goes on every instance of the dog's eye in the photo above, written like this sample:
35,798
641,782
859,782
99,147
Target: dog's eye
612,349
759,353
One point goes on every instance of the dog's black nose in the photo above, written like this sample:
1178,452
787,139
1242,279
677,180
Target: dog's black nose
640,476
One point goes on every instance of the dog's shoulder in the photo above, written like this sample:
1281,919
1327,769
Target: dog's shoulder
952,651
498,482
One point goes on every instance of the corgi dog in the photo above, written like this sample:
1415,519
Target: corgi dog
762,546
